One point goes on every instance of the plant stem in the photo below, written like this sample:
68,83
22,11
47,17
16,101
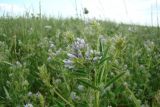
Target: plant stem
63,99
96,92
96,98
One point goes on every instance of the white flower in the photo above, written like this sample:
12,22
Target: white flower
18,64
25,83
80,87
125,84
49,59
68,63
69,66
58,52
112,74
58,81
125,66
28,105
30,94
149,45
71,55
96,58
38,94
19,42
50,50
73,95
11,74
52,45
91,53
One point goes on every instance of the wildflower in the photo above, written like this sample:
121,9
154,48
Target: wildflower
28,105
50,50
68,63
49,59
127,72
81,52
149,45
116,62
20,42
112,74
25,83
58,52
93,55
38,94
96,58
8,82
125,84
129,29
125,66
11,74
79,44
80,87
142,67
18,64
58,81
52,45
71,55
30,94
74,96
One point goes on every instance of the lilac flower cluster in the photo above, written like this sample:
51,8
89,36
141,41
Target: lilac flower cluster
79,44
80,52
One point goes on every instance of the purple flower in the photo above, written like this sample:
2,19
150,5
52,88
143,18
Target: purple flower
68,63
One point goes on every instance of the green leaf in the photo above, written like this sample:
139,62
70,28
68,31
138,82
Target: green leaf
44,75
6,92
114,79
133,97
100,46
5,62
105,52
103,60
101,73
79,73
88,84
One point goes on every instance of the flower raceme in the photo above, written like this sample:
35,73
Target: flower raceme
81,54
79,44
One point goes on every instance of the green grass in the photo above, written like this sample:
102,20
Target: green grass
33,52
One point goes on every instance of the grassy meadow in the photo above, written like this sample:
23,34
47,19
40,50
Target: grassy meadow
48,62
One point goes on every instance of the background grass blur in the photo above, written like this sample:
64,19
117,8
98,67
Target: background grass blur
26,71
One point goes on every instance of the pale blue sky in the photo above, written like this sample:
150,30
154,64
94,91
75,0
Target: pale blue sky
129,11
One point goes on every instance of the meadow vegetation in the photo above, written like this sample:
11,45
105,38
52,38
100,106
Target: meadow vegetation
48,62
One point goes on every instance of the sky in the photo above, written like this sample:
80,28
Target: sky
144,12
